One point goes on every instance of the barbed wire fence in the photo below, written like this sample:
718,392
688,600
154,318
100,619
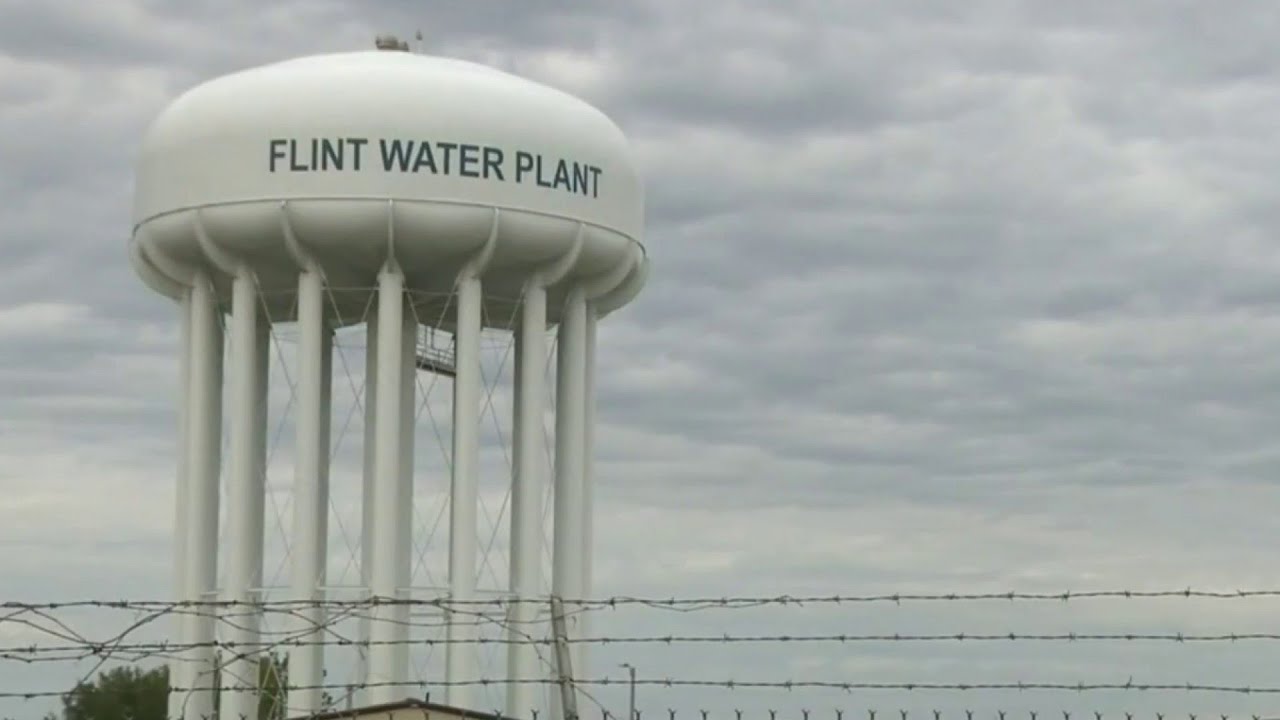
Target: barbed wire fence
37,635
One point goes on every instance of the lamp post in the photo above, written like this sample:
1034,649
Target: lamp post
631,671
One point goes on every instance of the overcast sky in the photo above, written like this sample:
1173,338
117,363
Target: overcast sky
945,297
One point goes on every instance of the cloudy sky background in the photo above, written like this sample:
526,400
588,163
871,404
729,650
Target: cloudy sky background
945,297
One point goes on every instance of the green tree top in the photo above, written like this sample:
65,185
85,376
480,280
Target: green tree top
123,693
132,693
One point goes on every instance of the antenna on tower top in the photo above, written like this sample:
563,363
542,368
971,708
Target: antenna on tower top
390,42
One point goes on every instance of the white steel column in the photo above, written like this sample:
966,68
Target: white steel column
567,539
180,493
581,665
262,361
408,408
389,655
526,498
360,697
602,292
311,494
460,654
246,498
204,456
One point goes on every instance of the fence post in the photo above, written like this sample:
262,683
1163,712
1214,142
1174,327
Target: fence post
564,667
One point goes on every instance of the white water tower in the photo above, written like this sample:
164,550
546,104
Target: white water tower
412,194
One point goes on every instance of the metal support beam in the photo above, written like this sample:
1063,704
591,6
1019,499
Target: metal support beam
404,523
204,460
567,539
176,670
582,660
526,497
389,654
311,494
461,658
358,696
246,497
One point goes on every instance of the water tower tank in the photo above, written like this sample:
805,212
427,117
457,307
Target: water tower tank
367,155
401,191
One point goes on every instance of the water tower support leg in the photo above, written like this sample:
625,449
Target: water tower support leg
246,497
311,494
180,496
204,456
581,662
460,655
567,538
408,410
388,657
526,499
360,697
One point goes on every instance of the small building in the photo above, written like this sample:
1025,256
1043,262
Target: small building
407,709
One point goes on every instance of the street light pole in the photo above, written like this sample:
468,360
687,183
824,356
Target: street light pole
631,671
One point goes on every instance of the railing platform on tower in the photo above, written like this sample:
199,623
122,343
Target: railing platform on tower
434,355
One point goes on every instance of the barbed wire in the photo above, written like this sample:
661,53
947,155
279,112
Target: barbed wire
885,714
446,603
892,714
67,644
72,645
32,653
902,714
731,684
